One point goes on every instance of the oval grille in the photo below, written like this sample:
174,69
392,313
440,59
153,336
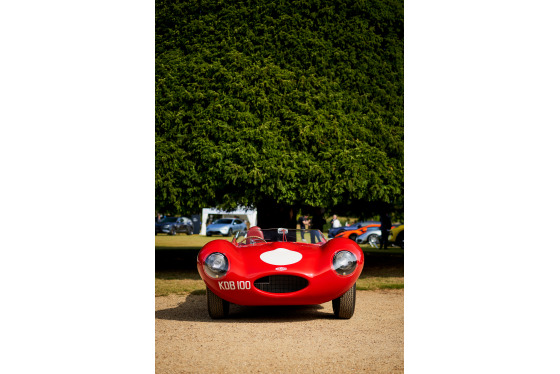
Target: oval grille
281,283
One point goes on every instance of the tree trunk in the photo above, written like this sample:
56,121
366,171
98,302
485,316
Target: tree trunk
272,215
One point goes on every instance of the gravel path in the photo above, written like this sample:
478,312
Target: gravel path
281,339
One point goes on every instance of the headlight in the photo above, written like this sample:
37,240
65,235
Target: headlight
344,262
216,265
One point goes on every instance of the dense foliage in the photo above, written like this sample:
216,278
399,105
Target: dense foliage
295,102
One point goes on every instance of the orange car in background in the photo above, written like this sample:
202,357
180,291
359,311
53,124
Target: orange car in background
353,234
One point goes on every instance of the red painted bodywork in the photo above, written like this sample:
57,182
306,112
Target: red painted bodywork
316,266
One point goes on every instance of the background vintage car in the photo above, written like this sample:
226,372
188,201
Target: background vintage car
173,225
368,235
396,236
353,234
335,231
226,227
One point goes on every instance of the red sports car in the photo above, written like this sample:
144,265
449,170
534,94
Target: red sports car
280,267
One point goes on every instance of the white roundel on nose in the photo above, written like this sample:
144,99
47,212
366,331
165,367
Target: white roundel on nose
281,256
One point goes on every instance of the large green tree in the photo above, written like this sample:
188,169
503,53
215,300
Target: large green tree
279,103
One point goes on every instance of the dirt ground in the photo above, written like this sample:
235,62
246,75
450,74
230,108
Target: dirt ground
280,339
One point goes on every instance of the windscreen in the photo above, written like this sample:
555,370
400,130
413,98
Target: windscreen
255,236
224,221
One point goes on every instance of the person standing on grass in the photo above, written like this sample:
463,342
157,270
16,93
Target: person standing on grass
303,221
335,223
317,224
385,228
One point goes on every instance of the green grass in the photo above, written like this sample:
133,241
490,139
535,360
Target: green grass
380,278
184,241
189,282
397,286
391,250
179,283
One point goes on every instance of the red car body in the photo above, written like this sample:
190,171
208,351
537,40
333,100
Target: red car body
245,283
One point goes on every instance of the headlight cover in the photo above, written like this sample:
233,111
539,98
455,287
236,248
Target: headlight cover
216,265
344,262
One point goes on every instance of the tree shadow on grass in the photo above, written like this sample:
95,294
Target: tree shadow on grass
178,274
194,309
382,272
374,271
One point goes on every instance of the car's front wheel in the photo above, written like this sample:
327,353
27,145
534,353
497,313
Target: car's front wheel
172,232
344,306
373,240
229,233
217,307
400,240
190,230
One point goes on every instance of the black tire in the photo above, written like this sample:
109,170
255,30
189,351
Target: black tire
189,230
353,237
344,306
400,240
229,233
207,234
374,241
172,232
217,307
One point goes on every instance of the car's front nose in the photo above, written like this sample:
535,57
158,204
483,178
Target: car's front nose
222,229
281,288
282,273
164,227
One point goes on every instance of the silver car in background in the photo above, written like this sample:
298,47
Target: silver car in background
226,227
371,236
174,225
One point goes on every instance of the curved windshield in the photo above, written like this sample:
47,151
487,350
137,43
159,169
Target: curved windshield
259,236
223,221
170,219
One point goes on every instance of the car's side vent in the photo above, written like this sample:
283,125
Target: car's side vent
281,283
